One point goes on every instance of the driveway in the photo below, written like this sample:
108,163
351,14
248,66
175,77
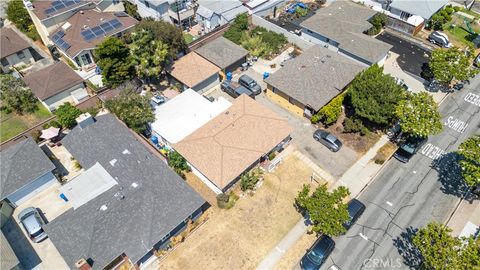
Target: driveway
411,55
43,255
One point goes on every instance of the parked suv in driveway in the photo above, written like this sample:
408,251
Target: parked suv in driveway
250,83
235,90
318,253
33,223
409,148
328,139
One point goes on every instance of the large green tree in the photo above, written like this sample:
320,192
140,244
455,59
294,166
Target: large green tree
114,59
16,96
418,115
451,65
326,210
150,56
67,115
132,108
469,152
132,10
440,250
165,32
375,95
18,15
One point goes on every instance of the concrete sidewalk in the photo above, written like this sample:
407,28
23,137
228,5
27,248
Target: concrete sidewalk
466,218
355,178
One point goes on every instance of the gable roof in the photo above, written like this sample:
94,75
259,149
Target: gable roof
185,113
20,164
149,201
88,19
192,69
316,76
423,8
11,42
230,143
222,52
229,9
52,80
345,22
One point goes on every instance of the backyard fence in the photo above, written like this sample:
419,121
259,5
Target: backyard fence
291,37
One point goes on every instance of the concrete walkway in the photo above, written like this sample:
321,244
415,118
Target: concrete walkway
355,178
466,218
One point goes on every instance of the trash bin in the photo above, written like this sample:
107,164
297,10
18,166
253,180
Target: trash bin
229,76
265,75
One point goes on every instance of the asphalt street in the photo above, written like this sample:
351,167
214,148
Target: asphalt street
404,197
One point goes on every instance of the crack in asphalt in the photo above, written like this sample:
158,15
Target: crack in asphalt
394,183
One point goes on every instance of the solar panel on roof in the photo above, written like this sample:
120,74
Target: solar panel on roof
59,6
65,46
120,14
68,3
61,33
49,11
56,3
98,31
107,27
116,23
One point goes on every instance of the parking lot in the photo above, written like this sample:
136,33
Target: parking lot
43,255
411,56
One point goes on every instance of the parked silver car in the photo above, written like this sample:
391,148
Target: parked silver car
328,139
33,223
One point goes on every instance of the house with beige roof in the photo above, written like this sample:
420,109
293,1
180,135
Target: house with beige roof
233,142
56,84
14,50
195,72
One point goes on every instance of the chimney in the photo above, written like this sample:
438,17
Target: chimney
84,120
82,264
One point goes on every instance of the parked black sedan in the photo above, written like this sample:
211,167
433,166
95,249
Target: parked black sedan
328,139
318,253
355,210
409,148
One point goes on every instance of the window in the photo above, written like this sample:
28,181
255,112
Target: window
4,62
165,237
21,55
86,60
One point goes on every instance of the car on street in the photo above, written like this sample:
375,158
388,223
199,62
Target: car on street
408,148
318,253
328,139
235,90
33,223
250,83
440,39
355,210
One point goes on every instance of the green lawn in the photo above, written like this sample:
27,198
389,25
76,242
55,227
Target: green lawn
458,31
12,124
188,38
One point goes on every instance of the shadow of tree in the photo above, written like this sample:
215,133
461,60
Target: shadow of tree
450,175
404,244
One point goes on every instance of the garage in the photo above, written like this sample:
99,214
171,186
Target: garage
25,171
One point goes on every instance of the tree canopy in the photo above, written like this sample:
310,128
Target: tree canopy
327,210
450,65
149,55
113,58
178,163
236,29
440,250
16,96
132,108
418,115
67,114
469,152
375,95
18,15
166,33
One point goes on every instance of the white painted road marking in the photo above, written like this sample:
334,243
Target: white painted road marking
456,124
432,151
473,99
363,236
414,172
389,203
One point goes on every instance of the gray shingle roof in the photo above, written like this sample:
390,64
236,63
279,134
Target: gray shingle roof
226,8
222,52
131,225
423,8
316,76
345,22
20,164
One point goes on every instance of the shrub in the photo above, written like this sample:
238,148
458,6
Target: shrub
354,125
178,163
248,181
315,118
330,113
272,155
235,32
273,41
66,115
36,136
226,201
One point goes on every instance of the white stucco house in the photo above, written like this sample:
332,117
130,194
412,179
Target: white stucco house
14,50
213,13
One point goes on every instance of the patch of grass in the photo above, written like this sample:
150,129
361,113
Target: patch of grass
459,34
13,124
469,12
385,152
189,38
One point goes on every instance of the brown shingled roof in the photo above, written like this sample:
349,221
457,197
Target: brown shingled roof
11,42
86,19
192,69
52,80
230,143
39,8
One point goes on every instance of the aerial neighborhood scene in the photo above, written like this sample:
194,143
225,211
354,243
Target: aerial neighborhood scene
239,134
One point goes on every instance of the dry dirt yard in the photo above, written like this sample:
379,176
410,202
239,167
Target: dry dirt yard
241,237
